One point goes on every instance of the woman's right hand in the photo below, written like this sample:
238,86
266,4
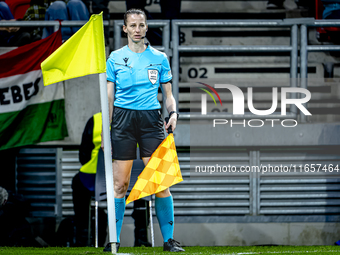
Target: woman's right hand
13,29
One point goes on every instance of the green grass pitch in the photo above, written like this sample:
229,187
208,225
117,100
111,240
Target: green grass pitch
213,250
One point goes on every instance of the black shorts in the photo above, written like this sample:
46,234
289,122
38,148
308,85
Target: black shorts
130,127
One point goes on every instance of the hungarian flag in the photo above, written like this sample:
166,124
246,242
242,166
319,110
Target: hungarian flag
29,112
161,172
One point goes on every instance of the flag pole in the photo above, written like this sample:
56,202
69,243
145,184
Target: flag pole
108,162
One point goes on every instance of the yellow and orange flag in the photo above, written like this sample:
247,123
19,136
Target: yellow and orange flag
161,172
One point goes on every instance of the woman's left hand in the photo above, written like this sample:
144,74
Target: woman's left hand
172,122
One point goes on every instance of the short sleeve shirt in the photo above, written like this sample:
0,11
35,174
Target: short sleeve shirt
137,77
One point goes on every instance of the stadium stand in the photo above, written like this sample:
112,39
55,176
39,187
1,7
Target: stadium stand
18,7
246,198
11,36
328,33
59,10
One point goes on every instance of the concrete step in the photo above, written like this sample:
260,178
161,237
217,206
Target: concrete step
201,9
235,36
228,71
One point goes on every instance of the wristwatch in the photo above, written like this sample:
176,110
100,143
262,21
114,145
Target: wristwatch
172,112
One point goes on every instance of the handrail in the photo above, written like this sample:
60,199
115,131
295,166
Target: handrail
305,48
234,23
46,23
323,23
292,48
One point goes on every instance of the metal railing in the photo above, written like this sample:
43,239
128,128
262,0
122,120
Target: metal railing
46,23
305,48
292,49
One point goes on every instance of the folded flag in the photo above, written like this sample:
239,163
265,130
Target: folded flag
161,172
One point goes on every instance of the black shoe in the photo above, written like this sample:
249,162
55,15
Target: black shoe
172,245
108,247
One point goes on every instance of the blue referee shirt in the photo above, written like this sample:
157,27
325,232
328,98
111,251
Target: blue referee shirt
137,77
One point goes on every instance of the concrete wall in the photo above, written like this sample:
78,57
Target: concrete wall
248,234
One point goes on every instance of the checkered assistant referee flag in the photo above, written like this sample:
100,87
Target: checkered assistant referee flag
161,172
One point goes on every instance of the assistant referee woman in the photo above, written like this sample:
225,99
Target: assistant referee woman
134,74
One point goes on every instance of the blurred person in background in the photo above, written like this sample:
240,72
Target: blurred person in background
59,10
11,36
83,183
77,11
36,11
15,229
83,186
99,6
332,9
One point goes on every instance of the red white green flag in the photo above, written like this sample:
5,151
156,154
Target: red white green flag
29,112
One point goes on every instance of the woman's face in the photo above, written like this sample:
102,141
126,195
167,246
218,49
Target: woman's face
136,27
